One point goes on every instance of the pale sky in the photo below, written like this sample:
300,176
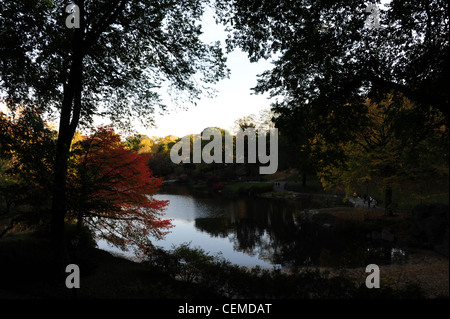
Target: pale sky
233,99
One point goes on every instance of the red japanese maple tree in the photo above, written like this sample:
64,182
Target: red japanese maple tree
111,190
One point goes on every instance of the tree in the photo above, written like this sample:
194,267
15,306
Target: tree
27,147
113,65
133,141
111,190
388,152
328,57
262,122
30,142
328,61
161,165
295,133
248,121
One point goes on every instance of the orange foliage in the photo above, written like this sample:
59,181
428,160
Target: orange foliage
112,191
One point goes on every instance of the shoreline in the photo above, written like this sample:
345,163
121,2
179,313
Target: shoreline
425,268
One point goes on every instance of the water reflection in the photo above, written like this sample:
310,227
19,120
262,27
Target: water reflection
256,231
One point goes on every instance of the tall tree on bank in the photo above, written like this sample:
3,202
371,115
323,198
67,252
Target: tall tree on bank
112,65
389,153
332,55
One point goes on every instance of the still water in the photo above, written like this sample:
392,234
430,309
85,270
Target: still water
252,231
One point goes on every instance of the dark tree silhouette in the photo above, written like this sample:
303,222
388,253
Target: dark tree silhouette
329,55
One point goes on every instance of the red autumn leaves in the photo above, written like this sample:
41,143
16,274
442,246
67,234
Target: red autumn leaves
111,189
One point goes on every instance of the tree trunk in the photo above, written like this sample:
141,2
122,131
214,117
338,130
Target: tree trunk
388,201
70,115
79,223
304,180
67,127
9,227
59,204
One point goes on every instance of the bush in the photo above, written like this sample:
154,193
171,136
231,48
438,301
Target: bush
183,262
193,265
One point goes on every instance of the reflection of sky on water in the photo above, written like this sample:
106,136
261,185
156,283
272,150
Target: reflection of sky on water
184,210
185,231
255,231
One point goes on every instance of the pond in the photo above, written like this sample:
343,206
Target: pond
251,231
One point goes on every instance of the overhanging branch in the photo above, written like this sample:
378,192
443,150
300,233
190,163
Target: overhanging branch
414,94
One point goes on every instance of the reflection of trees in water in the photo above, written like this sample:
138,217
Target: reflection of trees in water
299,245
217,227
291,242
265,228
273,231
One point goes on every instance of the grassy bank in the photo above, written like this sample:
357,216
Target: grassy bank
245,188
405,195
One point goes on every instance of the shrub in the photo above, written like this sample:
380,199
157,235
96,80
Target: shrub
194,265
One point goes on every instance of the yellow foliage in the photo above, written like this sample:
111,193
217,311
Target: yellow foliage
375,152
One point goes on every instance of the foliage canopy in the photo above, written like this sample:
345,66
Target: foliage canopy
130,50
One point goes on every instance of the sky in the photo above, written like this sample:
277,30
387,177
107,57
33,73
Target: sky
233,100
